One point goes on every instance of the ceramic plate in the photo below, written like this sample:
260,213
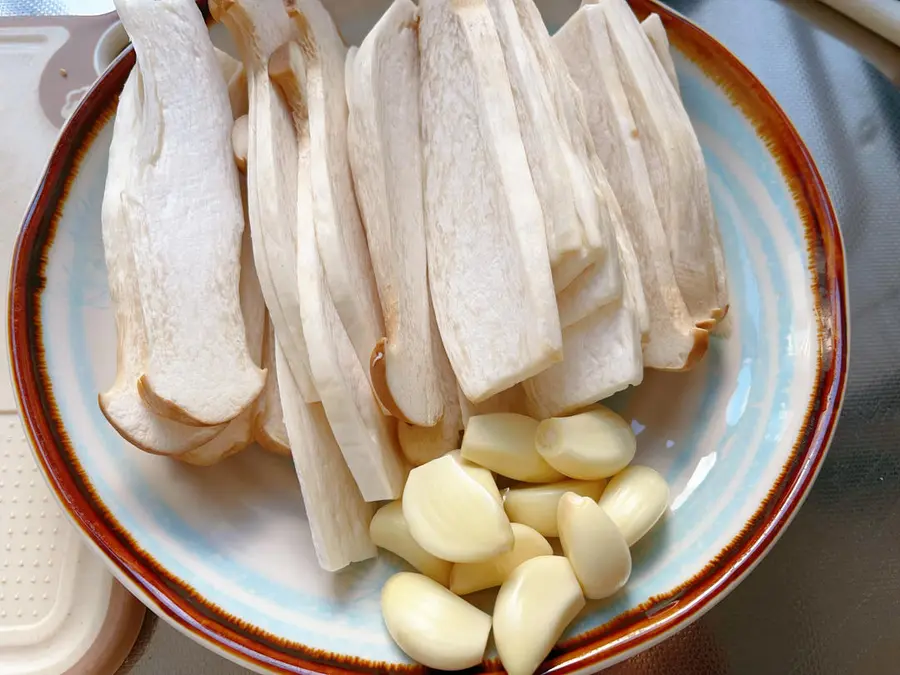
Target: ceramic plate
224,553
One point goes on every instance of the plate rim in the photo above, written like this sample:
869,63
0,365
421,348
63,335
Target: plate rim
632,632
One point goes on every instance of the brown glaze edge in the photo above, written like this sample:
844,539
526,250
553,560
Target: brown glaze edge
182,605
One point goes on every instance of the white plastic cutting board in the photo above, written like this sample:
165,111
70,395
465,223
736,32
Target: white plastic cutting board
60,610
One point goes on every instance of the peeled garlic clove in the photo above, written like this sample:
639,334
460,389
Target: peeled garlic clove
452,515
484,477
594,546
431,625
240,139
536,505
535,604
389,531
590,445
635,499
504,442
467,578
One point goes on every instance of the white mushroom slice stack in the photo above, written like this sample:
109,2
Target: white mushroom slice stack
674,343
386,157
335,214
546,147
366,437
258,28
655,31
489,267
676,168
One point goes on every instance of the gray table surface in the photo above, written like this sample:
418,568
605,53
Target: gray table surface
825,599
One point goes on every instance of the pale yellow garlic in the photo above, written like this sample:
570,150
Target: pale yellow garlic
594,546
240,140
590,445
484,477
536,505
432,625
452,515
504,443
535,604
468,578
635,500
389,531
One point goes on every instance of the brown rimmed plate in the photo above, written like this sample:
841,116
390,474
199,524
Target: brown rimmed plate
223,553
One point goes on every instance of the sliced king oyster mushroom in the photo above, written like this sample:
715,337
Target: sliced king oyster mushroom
386,156
546,147
489,269
238,433
268,425
121,404
339,230
367,438
674,343
258,27
655,31
676,167
337,514
194,372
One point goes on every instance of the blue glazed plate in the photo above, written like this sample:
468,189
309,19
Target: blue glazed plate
224,553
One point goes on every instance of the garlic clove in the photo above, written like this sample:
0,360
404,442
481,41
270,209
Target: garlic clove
535,604
590,445
389,531
536,505
635,500
452,515
240,141
594,546
431,625
504,442
483,476
468,578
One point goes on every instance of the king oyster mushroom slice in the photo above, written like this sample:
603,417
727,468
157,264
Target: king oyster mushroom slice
595,201
674,343
337,514
195,372
546,149
122,404
603,356
258,28
268,424
339,230
603,349
676,167
599,285
422,444
386,156
238,433
366,437
655,31
488,264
